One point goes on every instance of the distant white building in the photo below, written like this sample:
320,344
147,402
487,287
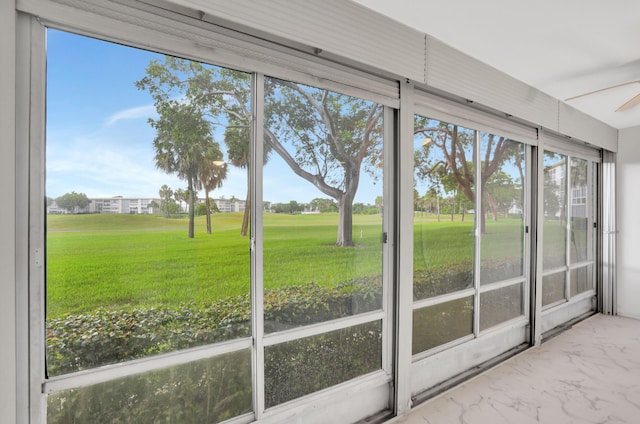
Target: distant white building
54,209
140,206
229,205
121,205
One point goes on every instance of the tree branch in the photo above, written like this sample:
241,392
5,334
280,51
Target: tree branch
316,180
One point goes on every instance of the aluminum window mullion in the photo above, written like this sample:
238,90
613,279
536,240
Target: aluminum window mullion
443,347
478,232
403,255
31,52
257,246
320,328
23,103
527,207
555,270
591,210
142,365
582,264
444,298
607,233
388,218
568,215
501,284
536,313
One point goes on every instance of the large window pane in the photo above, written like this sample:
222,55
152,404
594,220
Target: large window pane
303,366
502,218
439,324
581,280
443,208
555,211
204,391
553,288
136,145
323,205
579,201
500,305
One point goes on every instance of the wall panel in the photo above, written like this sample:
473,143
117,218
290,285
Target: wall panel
335,27
628,175
455,72
579,125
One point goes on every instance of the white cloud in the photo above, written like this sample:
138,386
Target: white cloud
131,113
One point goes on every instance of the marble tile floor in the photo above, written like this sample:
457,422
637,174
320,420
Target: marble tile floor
587,374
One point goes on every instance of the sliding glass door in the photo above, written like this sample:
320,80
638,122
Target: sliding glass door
470,285
568,210
322,214
203,265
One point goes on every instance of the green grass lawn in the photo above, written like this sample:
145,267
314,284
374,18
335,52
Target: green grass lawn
121,261
125,261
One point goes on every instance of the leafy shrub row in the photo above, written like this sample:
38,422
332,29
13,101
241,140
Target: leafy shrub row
219,388
77,342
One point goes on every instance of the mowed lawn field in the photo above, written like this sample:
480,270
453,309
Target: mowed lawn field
127,261
124,261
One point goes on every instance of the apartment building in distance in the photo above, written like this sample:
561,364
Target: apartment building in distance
141,206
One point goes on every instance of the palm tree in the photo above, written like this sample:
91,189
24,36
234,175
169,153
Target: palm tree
179,196
165,193
182,136
210,176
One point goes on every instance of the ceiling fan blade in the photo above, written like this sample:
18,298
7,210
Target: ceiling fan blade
611,87
628,105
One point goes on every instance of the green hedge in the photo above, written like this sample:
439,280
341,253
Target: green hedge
292,369
77,342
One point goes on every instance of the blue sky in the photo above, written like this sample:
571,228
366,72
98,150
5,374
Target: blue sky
100,143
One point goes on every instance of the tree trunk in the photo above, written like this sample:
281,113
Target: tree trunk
191,209
245,218
453,209
247,207
207,210
345,223
483,218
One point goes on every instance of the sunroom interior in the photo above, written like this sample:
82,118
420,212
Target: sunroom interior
385,203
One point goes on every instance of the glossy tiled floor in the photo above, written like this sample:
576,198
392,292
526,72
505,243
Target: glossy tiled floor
587,374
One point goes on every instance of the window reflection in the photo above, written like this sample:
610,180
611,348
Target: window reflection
500,305
443,219
439,324
303,366
555,210
582,280
502,235
579,211
553,288
205,391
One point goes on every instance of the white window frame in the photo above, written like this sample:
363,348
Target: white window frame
570,307
436,365
138,28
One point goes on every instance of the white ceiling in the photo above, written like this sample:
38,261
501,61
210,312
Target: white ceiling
564,48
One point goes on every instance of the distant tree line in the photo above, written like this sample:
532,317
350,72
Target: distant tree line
71,202
321,205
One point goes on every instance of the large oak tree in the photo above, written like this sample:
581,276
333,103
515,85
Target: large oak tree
326,138
447,158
